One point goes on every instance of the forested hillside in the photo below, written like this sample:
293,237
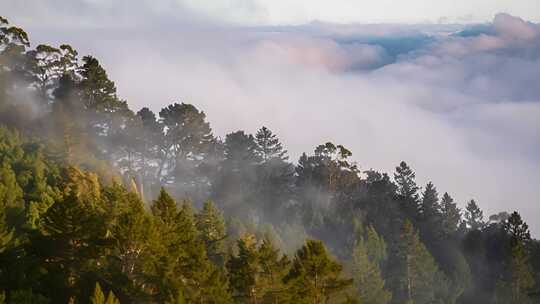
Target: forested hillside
102,204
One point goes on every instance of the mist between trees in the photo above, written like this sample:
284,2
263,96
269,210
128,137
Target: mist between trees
100,204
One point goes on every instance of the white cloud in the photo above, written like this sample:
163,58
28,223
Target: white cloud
122,13
463,110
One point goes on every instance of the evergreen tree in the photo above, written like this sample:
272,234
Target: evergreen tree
164,208
241,149
451,215
211,226
521,279
71,230
273,269
99,297
314,276
407,190
105,110
11,195
244,271
256,272
187,139
274,175
367,256
376,246
418,268
135,250
474,217
148,143
430,203
235,187
184,270
268,145
325,178
6,234
50,65
405,180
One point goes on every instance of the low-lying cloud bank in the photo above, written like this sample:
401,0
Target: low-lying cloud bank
461,104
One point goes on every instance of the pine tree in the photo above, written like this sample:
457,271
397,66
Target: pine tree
111,299
164,208
11,196
367,256
405,180
211,226
474,217
70,231
6,234
256,272
430,203
451,215
274,176
185,273
376,246
243,271
268,145
187,139
99,297
241,149
136,248
521,279
236,184
272,270
314,276
407,190
150,138
418,268
105,110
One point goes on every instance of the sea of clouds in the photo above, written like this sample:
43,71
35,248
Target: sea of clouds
459,103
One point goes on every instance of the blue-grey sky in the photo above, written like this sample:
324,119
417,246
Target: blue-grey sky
456,97
75,13
346,11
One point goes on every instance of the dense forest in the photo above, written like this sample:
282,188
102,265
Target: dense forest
101,204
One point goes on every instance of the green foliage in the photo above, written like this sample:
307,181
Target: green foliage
268,145
6,234
474,217
314,276
430,203
188,136
367,256
519,281
451,215
417,266
211,225
26,296
256,272
405,180
99,297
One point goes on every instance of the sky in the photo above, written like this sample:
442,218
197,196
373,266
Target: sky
451,87
75,13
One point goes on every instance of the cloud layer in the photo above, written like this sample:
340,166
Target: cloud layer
122,13
461,104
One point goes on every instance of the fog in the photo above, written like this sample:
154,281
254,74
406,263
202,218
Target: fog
459,103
